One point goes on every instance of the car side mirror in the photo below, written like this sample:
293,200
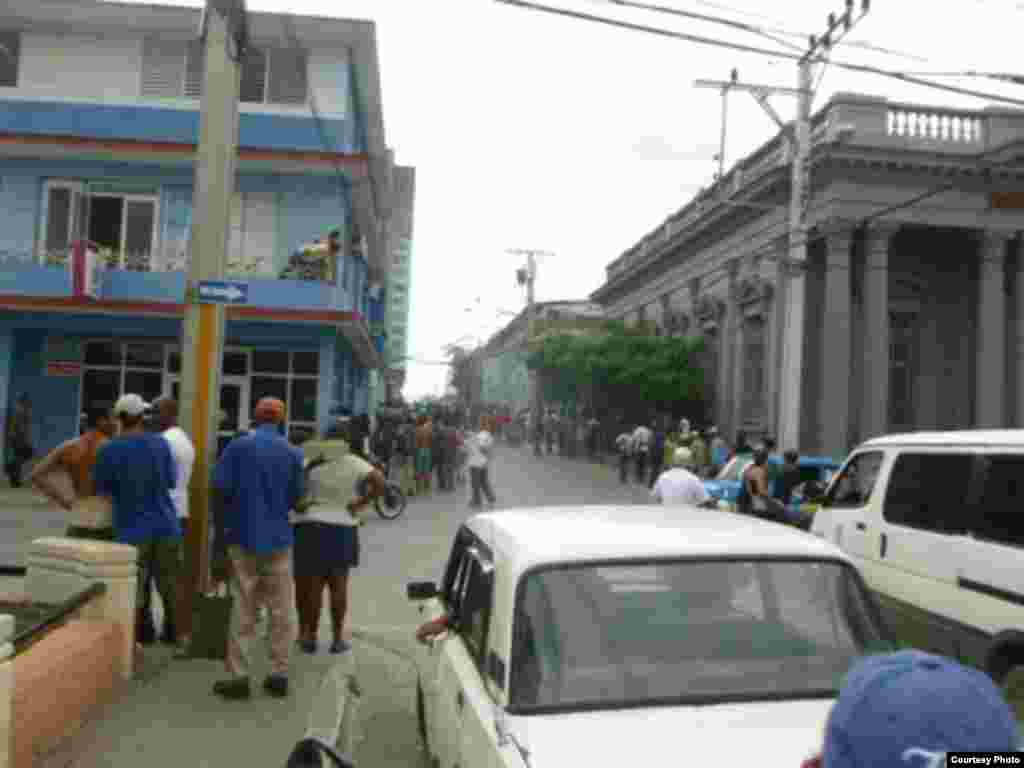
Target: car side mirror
421,590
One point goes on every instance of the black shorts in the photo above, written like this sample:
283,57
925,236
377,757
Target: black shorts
322,549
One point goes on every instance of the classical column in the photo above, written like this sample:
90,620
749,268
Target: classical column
730,350
990,370
875,289
1019,361
836,355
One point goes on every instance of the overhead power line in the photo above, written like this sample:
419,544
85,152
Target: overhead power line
743,48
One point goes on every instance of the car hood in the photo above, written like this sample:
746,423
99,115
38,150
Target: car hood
766,734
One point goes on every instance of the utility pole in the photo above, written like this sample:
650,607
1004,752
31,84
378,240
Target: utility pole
791,403
223,33
528,277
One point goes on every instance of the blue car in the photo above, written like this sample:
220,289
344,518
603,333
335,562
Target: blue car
725,488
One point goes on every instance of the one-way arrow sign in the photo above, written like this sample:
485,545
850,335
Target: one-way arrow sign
222,292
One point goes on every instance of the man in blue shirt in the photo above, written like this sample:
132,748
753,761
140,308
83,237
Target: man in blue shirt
256,483
137,472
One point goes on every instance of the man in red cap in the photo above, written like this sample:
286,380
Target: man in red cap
257,482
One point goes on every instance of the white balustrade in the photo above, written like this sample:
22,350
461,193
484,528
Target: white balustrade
935,126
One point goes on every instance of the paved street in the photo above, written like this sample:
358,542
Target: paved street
171,719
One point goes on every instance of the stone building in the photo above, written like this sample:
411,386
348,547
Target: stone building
914,302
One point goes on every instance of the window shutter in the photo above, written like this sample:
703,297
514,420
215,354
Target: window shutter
254,76
288,77
163,64
196,64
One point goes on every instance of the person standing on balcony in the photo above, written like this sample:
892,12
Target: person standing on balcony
137,472
257,482
74,462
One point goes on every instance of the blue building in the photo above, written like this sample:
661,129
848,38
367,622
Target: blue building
99,119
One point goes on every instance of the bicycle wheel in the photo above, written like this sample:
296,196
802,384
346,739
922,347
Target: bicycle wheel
393,504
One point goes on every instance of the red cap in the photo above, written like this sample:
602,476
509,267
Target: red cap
270,409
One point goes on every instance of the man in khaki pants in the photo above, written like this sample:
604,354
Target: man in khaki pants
257,482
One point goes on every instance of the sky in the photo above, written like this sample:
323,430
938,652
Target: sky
529,130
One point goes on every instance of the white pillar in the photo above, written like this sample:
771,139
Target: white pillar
990,370
59,568
836,349
875,411
6,691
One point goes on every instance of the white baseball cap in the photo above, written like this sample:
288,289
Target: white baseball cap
131,405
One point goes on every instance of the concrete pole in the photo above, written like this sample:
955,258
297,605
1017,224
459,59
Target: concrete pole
203,332
790,402
533,378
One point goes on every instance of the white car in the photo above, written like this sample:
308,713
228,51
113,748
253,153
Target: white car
645,636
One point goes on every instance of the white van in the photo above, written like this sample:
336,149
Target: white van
935,522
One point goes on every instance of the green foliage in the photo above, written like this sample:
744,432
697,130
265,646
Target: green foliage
630,362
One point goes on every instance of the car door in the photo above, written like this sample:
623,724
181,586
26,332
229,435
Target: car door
480,706
915,565
847,517
440,679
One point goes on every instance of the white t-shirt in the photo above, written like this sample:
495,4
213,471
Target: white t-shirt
332,486
476,446
642,439
184,458
679,486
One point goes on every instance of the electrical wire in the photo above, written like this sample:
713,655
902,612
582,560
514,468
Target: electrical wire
743,48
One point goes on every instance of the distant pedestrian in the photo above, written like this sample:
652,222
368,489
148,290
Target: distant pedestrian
18,448
743,446
593,436
719,450
910,709
641,446
137,472
256,483
624,445
789,477
657,453
424,454
701,455
480,446
679,485
67,477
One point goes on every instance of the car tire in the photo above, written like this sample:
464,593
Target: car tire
421,719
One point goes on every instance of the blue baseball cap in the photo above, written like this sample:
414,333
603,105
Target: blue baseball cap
906,708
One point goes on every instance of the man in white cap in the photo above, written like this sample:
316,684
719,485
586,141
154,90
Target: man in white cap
137,472
680,486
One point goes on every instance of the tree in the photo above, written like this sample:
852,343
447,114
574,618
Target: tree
618,364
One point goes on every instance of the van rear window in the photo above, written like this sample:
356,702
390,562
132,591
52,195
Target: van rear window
930,491
998,517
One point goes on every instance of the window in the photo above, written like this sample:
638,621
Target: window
172,69
293,377
274,76
929,491
476,605
753,369
902,369
10,58
857,482
123,226
997,515
113,368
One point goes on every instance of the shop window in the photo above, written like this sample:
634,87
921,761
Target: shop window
997,516
144,356
929,491
100,389
103,353
149,385
235,363
306,363
270,361
303,400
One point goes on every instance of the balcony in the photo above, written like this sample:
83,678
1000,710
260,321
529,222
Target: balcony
137,277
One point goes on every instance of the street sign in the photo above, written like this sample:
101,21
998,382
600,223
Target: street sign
222,292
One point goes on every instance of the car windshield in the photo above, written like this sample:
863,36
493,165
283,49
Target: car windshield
689,632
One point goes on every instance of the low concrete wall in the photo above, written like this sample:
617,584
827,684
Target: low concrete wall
59,568
59,683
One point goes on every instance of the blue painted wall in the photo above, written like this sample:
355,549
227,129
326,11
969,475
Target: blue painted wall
54,398
145,123
6,357
19,196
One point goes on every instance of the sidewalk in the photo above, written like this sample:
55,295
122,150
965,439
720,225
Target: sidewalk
24,516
